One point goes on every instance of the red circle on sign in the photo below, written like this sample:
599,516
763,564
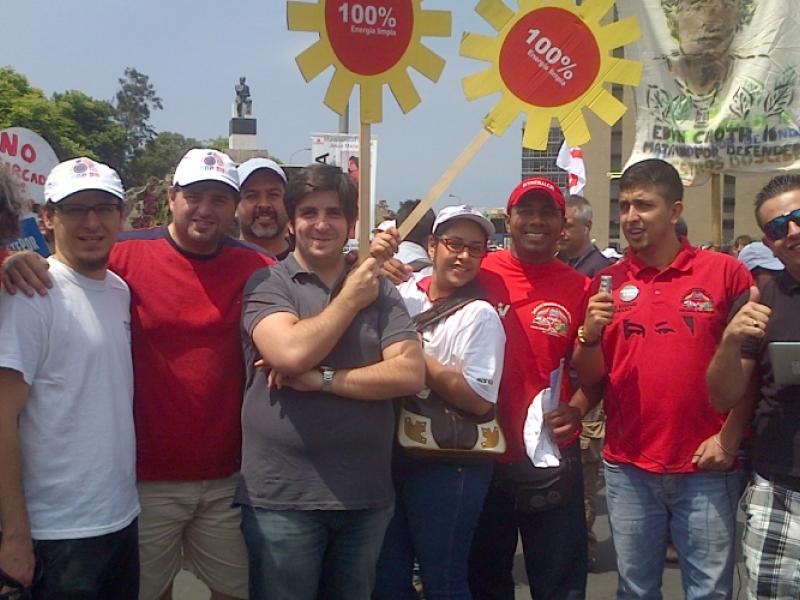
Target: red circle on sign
549,57
369,36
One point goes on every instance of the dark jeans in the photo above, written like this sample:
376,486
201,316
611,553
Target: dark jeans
553,541
313,554
105,567
436,512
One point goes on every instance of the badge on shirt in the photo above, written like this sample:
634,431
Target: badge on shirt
628,293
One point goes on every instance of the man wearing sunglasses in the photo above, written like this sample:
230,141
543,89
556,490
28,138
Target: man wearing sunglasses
67,447
742,373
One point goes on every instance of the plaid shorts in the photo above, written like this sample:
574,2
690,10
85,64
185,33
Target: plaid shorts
771,543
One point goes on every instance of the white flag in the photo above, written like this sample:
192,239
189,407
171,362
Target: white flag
571,160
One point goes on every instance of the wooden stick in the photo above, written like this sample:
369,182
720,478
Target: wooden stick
445,181
716,211
364,170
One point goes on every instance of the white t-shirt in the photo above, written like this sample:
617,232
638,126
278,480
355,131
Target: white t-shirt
72,347
471,339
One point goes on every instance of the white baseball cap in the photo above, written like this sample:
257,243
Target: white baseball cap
249,167
463,211
81,174
758,254
206,164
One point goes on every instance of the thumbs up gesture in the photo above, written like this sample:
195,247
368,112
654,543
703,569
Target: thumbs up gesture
751,320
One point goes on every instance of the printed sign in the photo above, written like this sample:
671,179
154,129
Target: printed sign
550,60
720,87
30,159
369,43
341,150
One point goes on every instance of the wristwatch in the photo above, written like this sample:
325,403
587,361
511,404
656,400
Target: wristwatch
582,338
327,378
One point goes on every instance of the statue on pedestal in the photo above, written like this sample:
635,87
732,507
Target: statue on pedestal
244,103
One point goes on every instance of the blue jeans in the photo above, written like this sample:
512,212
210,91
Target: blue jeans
436,512
553,541
698,510
313,554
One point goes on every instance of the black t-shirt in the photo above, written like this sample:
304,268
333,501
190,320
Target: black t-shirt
776,425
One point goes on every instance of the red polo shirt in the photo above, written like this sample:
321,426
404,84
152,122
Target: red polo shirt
665,330
541,307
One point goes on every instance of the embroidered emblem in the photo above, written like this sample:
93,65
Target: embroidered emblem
552,319
697,300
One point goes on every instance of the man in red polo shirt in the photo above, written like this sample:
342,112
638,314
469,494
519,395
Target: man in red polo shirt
669,456
541,302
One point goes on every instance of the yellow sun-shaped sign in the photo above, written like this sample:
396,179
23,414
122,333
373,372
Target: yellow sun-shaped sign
549,60
369,43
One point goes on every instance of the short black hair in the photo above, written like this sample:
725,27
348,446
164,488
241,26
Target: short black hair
424,227
653,173
775,187
320,177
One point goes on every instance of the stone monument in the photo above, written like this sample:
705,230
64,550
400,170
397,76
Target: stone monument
242,141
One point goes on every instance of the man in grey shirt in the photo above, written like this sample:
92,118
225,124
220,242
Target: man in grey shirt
316,490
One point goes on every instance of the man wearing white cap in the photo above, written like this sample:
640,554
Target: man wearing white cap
261,213
68,502
186,281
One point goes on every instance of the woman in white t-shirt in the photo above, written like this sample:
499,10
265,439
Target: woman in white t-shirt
438,502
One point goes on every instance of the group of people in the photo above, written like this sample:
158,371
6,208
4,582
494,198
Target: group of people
175,398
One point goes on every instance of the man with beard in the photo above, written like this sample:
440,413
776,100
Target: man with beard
261,213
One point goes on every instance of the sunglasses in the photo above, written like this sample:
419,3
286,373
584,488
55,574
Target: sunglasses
778,228
457,246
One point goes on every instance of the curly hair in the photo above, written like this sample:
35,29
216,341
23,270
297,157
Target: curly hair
670,8
9,205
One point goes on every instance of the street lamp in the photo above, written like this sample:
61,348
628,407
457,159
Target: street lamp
454,196
291,156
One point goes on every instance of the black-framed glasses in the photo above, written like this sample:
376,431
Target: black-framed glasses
778,227
103,211
456,246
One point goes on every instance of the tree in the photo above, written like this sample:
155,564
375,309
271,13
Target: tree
133,102
73,123
158,157
218,143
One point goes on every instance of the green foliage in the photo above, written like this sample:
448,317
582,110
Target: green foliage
73,123
135,98
158,157
218,143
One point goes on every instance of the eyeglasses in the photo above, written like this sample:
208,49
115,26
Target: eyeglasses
103,211
457,246
778,228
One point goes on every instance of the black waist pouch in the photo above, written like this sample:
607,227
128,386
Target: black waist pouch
536,489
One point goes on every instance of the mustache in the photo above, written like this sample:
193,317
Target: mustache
265,211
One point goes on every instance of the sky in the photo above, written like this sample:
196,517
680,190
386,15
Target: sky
195,51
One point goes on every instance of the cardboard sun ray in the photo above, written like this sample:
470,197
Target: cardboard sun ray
550,60
369,43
